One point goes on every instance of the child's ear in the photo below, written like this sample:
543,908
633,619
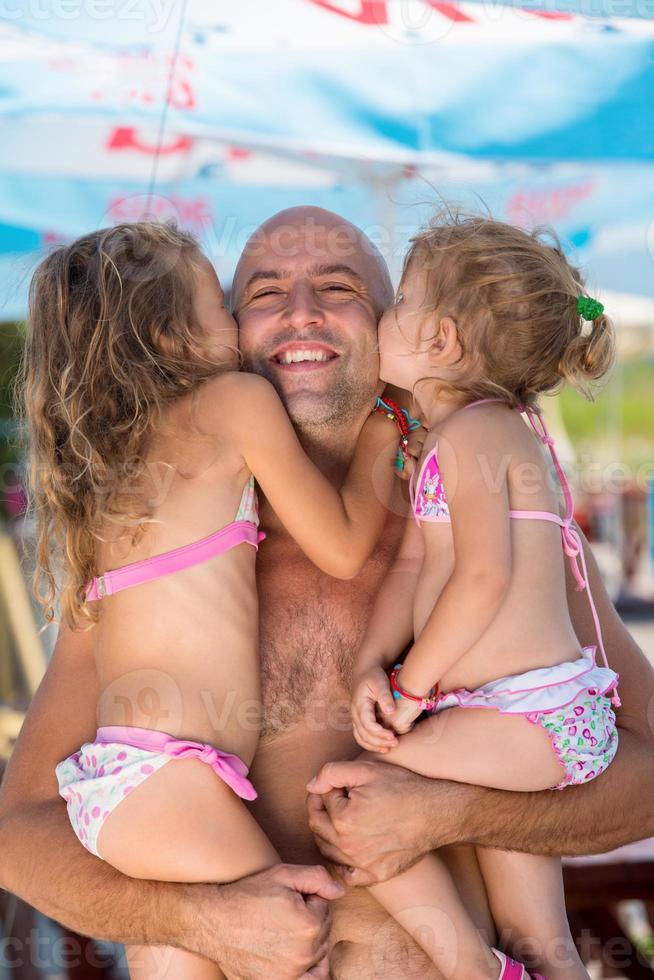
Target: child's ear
446,348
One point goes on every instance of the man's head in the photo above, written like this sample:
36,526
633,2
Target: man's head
308,292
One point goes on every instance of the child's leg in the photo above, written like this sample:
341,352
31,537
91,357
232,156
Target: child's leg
462,863
478,746
525,893
183,823
425,902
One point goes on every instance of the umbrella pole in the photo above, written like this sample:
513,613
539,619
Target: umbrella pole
616,430
388,239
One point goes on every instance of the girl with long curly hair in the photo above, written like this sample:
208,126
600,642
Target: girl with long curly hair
145,441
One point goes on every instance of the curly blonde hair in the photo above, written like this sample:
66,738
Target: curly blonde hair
112,339
513,296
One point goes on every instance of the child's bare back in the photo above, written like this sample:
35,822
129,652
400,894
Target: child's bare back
146,441
532,627
194,633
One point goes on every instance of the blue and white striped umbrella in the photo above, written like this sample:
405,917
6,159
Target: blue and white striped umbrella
222,113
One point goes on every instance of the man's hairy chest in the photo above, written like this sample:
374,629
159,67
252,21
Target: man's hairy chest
311,627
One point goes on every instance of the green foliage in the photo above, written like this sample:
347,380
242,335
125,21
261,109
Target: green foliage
623,409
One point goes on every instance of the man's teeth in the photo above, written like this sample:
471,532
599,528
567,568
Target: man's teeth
295,356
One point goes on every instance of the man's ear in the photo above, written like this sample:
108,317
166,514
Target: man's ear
445,348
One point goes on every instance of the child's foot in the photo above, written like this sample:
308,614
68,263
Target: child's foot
512,970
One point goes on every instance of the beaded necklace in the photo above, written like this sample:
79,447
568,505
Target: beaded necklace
405,424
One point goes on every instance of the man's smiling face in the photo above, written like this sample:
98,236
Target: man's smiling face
307,294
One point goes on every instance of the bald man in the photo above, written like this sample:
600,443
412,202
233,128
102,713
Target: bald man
308,293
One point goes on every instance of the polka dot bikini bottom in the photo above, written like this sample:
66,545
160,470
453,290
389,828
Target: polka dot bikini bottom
94,780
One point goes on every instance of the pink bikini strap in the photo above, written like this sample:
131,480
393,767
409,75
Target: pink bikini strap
482,401
572,544
174,561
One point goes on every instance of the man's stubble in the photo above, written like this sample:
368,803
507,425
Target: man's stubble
344,401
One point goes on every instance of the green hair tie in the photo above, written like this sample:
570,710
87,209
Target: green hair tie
589,308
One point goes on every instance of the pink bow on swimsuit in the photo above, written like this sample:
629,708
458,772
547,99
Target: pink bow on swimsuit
229,768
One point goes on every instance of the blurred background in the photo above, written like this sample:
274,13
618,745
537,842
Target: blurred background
220,114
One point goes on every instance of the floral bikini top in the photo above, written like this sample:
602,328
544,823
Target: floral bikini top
429,503
427,493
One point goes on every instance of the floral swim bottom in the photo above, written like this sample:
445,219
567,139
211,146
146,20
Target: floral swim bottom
583,735
569,701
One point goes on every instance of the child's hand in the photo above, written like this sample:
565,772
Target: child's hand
408,469
404,716
372,694
414,449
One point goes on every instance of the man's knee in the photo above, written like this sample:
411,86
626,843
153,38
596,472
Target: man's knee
385,958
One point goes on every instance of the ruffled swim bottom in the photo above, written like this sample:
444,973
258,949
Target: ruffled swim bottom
569,701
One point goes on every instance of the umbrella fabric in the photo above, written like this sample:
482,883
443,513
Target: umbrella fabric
377,109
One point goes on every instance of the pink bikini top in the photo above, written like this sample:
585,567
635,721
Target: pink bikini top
428,503
244,528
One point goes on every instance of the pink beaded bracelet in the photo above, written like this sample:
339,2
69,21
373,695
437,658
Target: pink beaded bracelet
427,703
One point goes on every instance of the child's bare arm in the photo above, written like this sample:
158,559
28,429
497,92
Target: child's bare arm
389,632
390,629
482,552
336,529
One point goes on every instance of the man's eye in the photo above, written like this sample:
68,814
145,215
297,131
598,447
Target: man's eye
338,286
266,292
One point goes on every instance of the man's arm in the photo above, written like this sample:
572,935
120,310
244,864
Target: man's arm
245,926
380,819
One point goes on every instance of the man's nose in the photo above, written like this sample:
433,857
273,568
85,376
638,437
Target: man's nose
303,307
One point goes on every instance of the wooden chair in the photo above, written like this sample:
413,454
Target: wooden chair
22,664
22,656
594,886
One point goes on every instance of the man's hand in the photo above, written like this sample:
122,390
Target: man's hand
271,924
372,693
372,820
